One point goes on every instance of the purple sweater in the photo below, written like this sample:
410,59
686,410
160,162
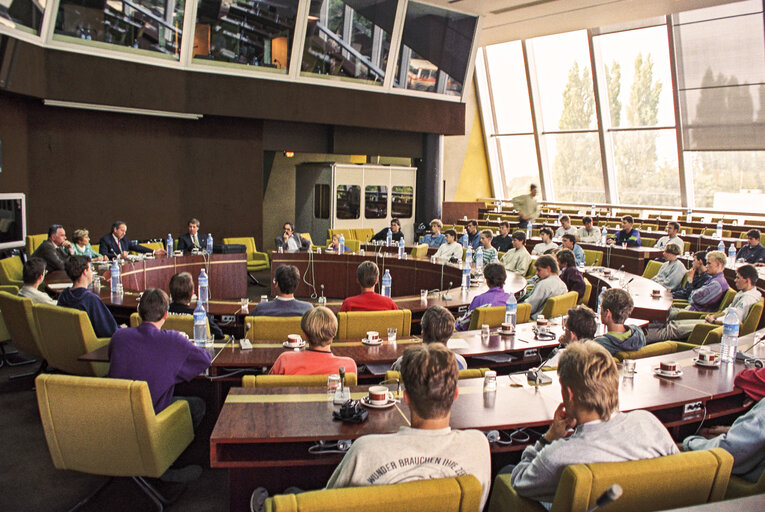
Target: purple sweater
493,297
709,296
161,358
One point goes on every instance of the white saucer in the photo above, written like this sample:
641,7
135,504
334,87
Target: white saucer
287,344
365,402
505,333
365,341
671,375
706,364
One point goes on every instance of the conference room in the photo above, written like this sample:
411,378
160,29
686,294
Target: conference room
337,118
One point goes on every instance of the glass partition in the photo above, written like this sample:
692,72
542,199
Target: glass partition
25,15
246,32
349,39
348,201
401,202
376,201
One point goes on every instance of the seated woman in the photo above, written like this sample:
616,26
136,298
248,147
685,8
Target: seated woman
569,274
81,246
320,327
181,290
495,275
437,326
334,246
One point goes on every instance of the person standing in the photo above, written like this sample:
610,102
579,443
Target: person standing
527,207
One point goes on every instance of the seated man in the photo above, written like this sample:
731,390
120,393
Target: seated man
709,296
437,326
546,284
673,228
116,244
435,238
430,448
589,382
181,290
33,275
489,252
569,242
580,325
696,277
517,259
368,275
291,241
565,227
472,235
320,327
495,275
503,242
79,297
747,296
395,229
628,235
753,252
286,279
672,271
588,234
615,308
187,242
56,250
451,250
570,275
547,246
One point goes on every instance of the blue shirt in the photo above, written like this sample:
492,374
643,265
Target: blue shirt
632,238
282,307
433,241
578,254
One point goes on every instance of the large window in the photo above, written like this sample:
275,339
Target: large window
25,15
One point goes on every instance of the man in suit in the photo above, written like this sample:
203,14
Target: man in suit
291,241
191,240
117,244
55,250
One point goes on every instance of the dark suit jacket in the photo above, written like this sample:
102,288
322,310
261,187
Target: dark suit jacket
108,247
185,244
183,309
302,243
54,257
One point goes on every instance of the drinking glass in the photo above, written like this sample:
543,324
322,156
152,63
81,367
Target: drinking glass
392,333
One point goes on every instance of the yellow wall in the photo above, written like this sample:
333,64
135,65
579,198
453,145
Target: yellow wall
474,178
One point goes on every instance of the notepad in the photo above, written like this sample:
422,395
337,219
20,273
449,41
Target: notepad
457,343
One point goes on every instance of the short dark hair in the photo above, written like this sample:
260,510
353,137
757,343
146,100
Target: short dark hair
586,219
367,273
495,274
628,218
748,272
504,224
430,373
571,238
116,225
675,225
581,321
193,221
437,325
519,235
288,278
75,266
395,221
291,225
153,305
547,231
672,249
33,269
547,261
55,227
487,233
701,256
753,233
618,302
533,186
181,287
566,256
450,232
564,217
473,222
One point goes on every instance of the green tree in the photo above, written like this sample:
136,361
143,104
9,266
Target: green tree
614,87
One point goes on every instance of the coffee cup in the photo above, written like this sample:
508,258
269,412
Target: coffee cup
373,336
656,293
294,339
707,356
507,327
379,395
668,366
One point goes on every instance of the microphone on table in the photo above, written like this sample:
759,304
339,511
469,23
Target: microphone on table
445,295
342,394
610,495
537,377
627,284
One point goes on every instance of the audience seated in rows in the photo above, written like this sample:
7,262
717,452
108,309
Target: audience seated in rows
628,234
435,238
451,250
503,242
82,247
672,271
671,238
569,242
56,250
395,229
565,227
547,246
495,275
588,233
33,275
489,252
116,244
79,270
545,284
696,277
286,280
581,324
517,259
437,326
320,327
570,274
181,290
615,308
368,275
753,252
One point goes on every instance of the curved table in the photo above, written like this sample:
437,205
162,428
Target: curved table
647,307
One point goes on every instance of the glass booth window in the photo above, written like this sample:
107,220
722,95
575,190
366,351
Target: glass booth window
348,201
375,201
144,24
402,202
349,38
249,32
25,15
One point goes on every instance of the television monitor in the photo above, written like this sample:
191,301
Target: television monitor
13,221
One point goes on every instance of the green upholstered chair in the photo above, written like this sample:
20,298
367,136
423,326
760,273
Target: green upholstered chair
11,271
420,250
108,427
363,234
587,292
307,236
459,494
154,246
683,479
494,316
651,269
647,242
20,322
348,234
655,349
727,299
468,373
559,306
33,242
65,334
355,324
738,487
175,322
286,381
592,256
255,260
708,334
350,244
272,328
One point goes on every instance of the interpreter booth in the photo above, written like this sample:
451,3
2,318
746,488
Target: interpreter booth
350,196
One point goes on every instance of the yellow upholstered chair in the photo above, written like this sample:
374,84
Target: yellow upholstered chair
108,427
307,236
559,306
363,234
494,316
738,487
651,269
286,381
420,251
592,257
65,334
350,244
20,322
11,270
532,270
255,260
587,292
175,322
469,373
347,233
655,349
94,247
708,334
154,246
355,324
727,299
272,328
33,242
458,494
661,483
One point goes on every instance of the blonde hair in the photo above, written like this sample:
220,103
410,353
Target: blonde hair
429,372
79,234
718,256
319,325
437,222
589,370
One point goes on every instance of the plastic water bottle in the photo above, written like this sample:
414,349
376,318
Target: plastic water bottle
689,216
387,282
464,240
401,249
465,275
469,254
115,270
721,247
718,231
341,248
169,245
209,244
592,210
389,238
729,343
603,236
732,255
528,231
511,307
200,325
204,288
479,260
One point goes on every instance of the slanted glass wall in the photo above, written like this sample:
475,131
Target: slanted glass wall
24,15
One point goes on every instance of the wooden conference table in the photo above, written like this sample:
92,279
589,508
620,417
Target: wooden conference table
262,436
646,306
